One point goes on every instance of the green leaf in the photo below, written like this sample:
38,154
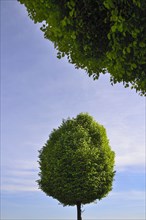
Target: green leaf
113,28
134,66
71,13
142,44
73,36
128,49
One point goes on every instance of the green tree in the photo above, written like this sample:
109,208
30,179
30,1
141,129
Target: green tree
97,35
77,163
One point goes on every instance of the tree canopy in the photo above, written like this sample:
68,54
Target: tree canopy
97,35
77,163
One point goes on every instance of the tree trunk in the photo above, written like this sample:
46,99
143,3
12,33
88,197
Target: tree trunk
79,211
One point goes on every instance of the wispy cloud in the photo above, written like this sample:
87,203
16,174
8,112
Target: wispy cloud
128,195
131,159
19,188
21,176
128,143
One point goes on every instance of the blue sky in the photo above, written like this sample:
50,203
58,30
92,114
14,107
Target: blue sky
37,92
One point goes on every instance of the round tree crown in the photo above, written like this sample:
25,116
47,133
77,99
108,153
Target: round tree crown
77,163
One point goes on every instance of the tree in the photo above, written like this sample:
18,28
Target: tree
98,36
77,163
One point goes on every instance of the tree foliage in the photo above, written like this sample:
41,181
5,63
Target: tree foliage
97,35
77,163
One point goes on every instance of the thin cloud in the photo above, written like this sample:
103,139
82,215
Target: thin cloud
128,195
19,188
21,176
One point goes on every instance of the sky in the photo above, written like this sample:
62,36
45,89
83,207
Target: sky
37,92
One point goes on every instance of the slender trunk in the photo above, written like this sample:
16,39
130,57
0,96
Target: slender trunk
79,211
